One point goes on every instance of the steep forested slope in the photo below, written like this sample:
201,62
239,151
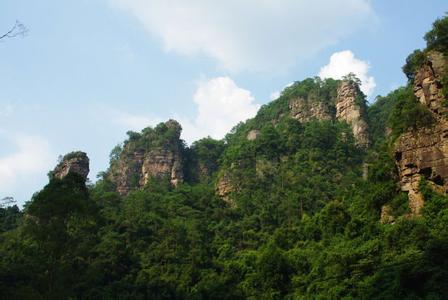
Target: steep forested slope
315,197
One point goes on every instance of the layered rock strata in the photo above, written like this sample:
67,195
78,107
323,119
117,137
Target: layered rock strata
155,155
75,162
307,110
351,109
423,153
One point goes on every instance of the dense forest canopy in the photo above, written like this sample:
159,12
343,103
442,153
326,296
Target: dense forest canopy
301,219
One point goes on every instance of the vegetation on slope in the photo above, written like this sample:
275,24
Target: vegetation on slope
305,224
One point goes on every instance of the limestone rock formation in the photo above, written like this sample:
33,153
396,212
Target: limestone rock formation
74,162
224,187
161,163
386,215
424,152
156,153
352,111
127,173
428,83
304,110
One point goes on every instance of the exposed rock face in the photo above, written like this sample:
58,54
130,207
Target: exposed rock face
128,171
306,110
75,162
161,163
386,215
155,154
348,109
428,83
423,153
253,134
224,188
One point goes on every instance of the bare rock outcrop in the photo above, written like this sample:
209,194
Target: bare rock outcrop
428,83
353,111
224,188
423,152
386,215
127,173
156,153
305,110
74,162
252,135
160,163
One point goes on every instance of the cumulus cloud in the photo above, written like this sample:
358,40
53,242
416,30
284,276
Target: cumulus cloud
250,34
344,62
220,105
32,156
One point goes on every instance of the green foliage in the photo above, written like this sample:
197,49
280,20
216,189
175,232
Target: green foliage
378,115
203,159
163,135
437,37
304,223
72,154
413,62
115,153
10,218
408,113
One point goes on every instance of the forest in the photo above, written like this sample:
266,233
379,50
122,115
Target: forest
300,219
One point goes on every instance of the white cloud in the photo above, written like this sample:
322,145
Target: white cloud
32,157
250,34
220,104
344,62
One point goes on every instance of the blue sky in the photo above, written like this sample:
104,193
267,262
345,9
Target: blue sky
88,71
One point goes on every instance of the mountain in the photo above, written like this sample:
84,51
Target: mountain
320,195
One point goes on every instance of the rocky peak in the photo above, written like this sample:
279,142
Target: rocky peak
153,153
351,109
428,83
423,152
74,162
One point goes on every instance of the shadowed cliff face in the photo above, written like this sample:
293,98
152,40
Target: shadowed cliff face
423,152
74,162
156,153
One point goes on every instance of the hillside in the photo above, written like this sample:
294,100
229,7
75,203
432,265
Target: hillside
318,196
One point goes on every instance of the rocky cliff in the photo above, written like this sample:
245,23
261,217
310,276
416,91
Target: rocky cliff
305,110
155,153
311,99
351,108
74,162
423,152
